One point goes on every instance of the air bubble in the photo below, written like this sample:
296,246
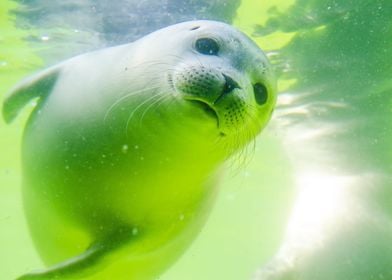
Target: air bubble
124,149
135,231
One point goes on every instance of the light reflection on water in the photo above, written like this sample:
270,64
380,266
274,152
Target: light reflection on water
332,122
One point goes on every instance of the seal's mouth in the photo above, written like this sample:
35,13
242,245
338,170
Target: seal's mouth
206,108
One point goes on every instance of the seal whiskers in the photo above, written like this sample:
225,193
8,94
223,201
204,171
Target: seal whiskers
156,103
150,99
123,98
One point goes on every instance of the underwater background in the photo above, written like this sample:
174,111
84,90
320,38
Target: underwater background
315,199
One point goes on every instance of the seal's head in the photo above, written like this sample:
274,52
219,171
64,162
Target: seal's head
206,71
222,71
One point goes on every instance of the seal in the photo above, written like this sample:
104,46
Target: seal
121,153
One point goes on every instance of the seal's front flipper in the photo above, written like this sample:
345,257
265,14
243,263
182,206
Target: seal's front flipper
78,267
36,86
94,259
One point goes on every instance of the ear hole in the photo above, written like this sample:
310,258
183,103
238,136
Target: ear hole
261,94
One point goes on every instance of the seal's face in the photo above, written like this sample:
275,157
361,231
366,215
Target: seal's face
227,75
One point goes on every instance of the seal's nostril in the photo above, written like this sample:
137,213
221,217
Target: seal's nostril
230,84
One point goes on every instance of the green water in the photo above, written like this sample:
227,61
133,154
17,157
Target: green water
334,60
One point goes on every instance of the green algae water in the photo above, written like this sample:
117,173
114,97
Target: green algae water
314,201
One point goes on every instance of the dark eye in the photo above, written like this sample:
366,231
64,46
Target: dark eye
207,46
261,94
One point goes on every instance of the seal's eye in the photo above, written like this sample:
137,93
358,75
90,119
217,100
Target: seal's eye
207,46
261,94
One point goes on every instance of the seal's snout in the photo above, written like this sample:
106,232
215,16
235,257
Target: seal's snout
202,83
228,87
230,84
214,91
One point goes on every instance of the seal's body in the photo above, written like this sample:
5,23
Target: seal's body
121,153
